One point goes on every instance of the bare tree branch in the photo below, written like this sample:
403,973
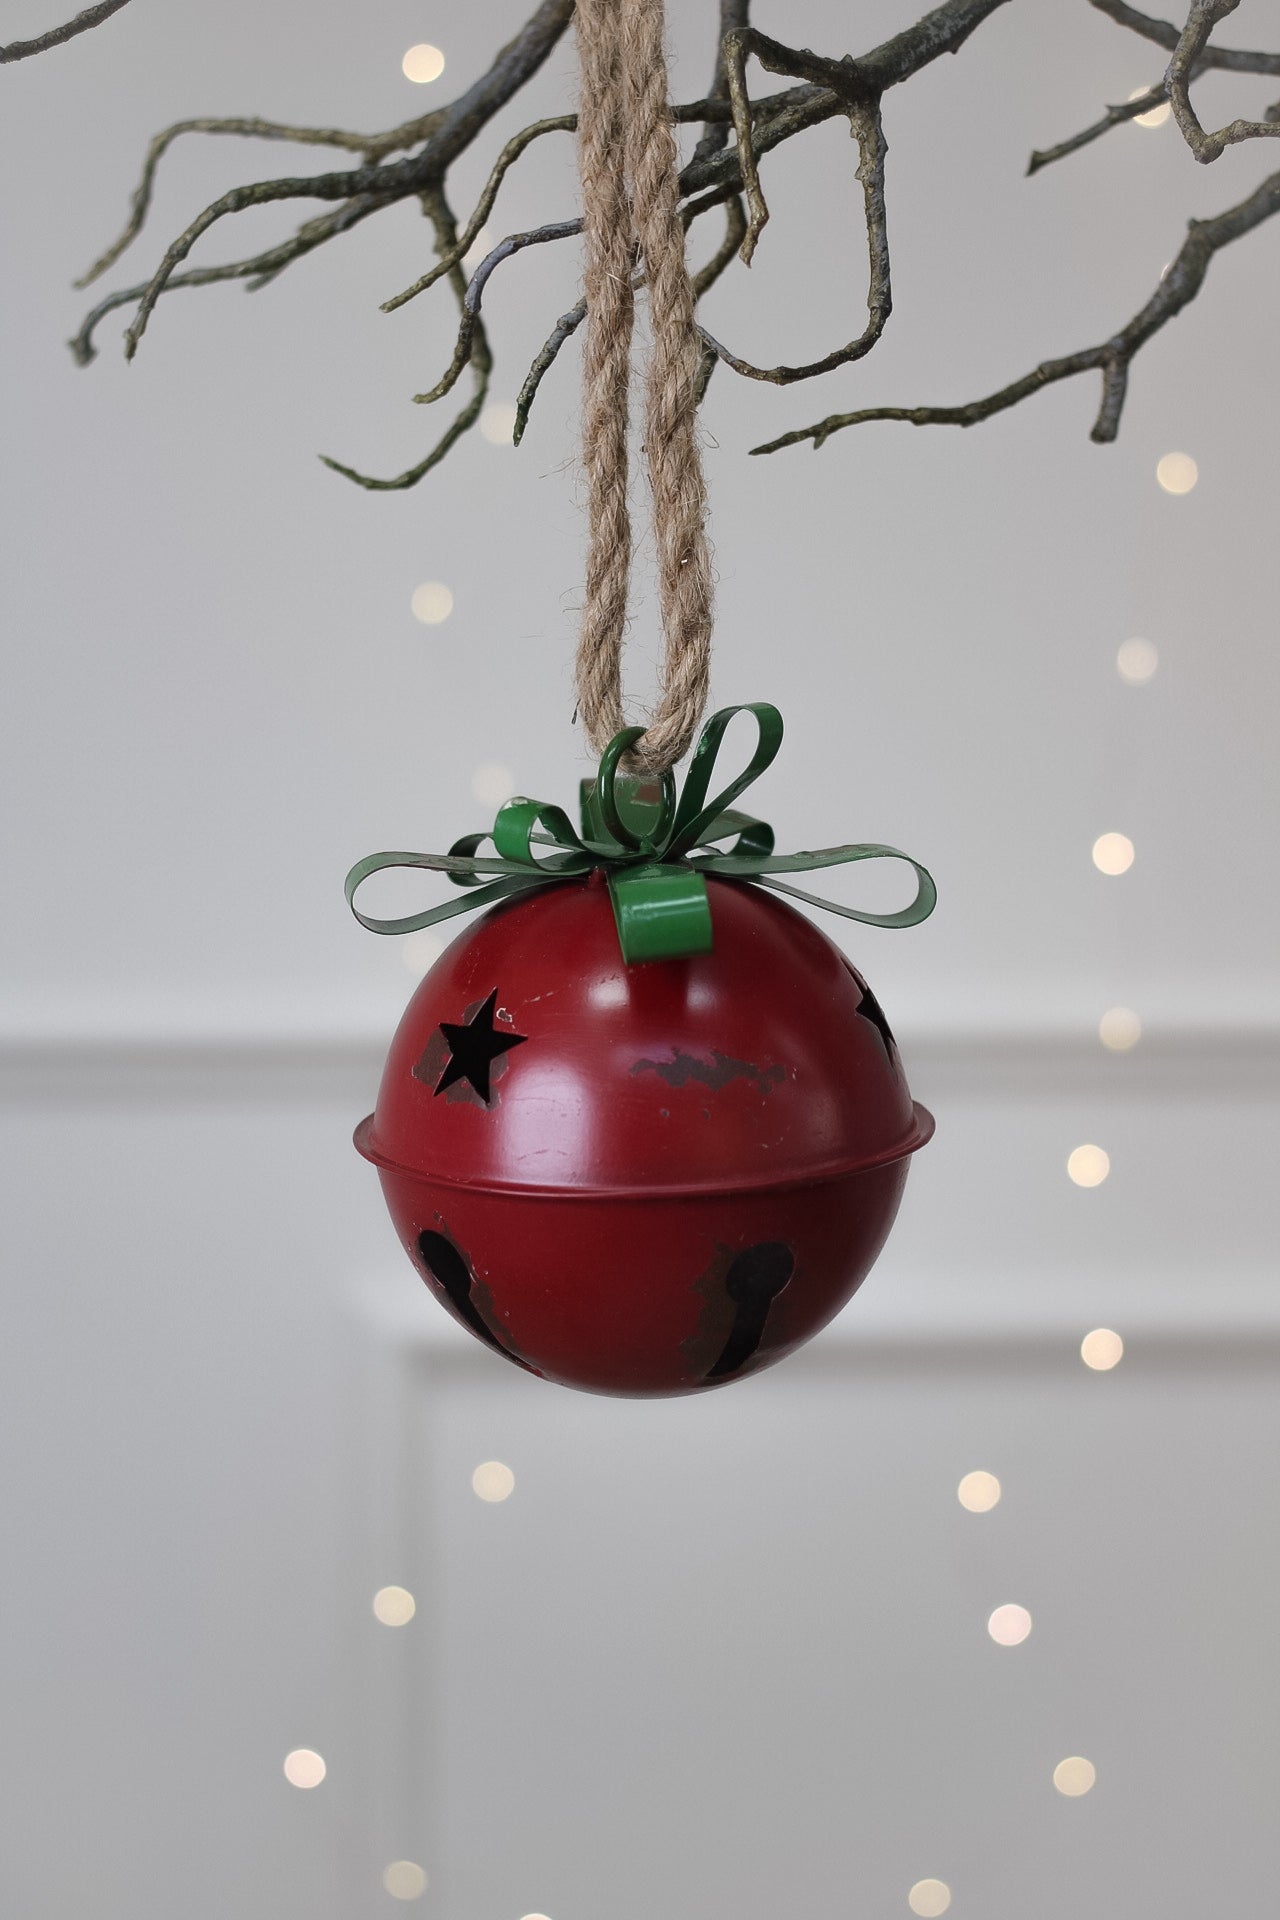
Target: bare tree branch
438,211
798,64
721,172
456,127
57,36
1179,285
734,15
1165,34
368,144
562,123
256,271
568,323
1201,21
865,124
1113,117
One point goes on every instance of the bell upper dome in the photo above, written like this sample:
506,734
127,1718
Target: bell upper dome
532,1058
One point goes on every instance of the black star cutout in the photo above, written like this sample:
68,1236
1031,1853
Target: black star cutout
474,1047
870,1009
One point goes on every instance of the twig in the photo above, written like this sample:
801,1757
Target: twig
565,327
256,271
457,126
446,230
734,15
735,227
799,63
562,123
474,294
718,174
1181,283
866,126
1201,21
254,129
1165,34
568,323
57,36
1113,117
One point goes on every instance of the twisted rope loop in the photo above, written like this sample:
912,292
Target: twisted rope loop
629,167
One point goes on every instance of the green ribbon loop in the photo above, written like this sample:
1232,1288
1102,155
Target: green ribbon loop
655,844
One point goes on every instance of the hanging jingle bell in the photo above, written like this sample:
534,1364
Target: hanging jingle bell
643,1176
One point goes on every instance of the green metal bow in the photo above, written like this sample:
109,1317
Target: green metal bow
655,844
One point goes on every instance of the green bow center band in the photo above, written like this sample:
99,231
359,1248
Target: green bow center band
655,842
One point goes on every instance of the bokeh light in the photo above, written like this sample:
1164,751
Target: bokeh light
1102,1349
394,1606
929,1898
304,1768
492,784
404,1880
1136,661
422,63
1009,1625
492,1481
1074,1776
978,1492
497,423
1154,116
1113,853
1119,1029
1177,472
1088,1166
432,603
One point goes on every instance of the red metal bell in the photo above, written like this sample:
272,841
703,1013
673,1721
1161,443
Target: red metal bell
647,1179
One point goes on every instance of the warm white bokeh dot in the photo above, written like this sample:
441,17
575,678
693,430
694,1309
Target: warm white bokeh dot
1177,472
479,249
1154,116
404,1880
1102,1349
394,1606
492,784
1119,1029
1136,661
303,1768
422,63
978,1492
533,1916
929,1898
492,1481
1113,853
421,950
1009,1625
1088,1166
1074,1776
432,603
497,424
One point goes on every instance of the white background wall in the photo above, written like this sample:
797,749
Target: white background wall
723,1657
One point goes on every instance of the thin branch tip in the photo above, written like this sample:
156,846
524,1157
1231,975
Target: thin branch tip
722,172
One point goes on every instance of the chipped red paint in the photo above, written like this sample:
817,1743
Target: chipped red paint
657,1123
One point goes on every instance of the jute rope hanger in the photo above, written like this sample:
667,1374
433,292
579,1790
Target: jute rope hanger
629,166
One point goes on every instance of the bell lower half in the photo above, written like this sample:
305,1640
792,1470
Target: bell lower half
645,1296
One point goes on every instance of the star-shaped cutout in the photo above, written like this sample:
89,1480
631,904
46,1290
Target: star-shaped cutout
870,1009
473,1048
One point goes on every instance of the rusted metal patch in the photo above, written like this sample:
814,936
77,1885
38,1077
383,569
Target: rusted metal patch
715,1073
